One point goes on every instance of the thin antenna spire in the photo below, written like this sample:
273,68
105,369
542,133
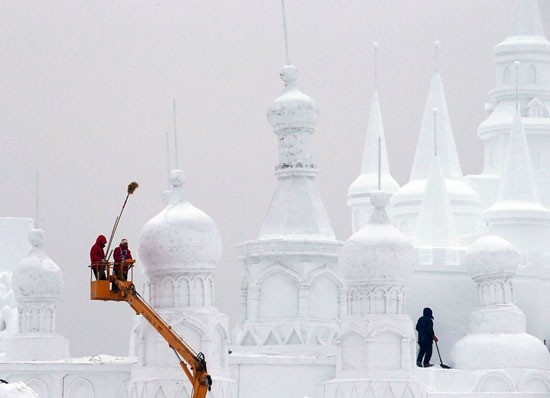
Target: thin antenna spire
175,133
435,111
167,153
376,46
517,64
37,208
437,43
285,32
379,163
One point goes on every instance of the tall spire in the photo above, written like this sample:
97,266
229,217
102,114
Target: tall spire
518,182
375,130
436,224
447,154
526,20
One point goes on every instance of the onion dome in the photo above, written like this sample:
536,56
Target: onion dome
293,109
37,276
180,237
378,252
491,255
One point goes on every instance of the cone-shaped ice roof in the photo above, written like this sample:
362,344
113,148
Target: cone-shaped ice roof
375,130
436,224
518,182
367,182
447,154
526,20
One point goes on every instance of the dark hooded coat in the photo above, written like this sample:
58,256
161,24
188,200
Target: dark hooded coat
425,328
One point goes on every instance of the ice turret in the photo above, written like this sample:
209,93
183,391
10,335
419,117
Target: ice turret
497,338
179,249
292,295
360,191
376,336
37,283
518,203
526,83
296,210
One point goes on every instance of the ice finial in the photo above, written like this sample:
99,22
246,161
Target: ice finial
36,238
517,64
289,75
435,111
285,31
167,154
526,19
437,43
177,178
379,201
376,46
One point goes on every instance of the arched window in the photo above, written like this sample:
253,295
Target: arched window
531,74
506,75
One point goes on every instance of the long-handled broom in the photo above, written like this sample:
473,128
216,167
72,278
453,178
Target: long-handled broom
131,189
440,360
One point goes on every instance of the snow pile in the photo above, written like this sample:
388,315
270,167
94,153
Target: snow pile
16,390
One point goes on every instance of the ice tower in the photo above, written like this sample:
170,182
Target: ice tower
180,249
37,282
376,340
292,293
526,43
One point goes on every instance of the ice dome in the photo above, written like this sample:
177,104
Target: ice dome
37,275
180,237
489,255
292,108
500,351
378,252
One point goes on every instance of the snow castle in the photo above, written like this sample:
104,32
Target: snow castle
330,319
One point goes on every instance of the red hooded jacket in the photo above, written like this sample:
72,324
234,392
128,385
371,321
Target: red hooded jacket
96,253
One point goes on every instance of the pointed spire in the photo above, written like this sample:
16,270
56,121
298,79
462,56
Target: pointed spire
375,130
518,182
526,20
447,154
436,225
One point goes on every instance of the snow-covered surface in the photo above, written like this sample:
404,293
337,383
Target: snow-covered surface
489,255
16,390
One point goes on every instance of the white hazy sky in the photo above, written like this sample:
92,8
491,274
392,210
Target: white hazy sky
86,98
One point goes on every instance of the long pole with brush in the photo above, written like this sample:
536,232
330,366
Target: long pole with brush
131,189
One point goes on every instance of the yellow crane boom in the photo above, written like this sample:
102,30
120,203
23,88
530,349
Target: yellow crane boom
193,364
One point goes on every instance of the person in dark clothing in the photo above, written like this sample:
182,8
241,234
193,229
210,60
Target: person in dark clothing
97,258
426,337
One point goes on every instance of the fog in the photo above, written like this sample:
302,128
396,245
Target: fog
86,99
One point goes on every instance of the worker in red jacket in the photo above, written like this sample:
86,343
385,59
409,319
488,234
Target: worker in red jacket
97,258
121,254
